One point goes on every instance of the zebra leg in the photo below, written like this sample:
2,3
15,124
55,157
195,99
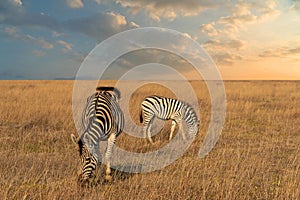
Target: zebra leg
148,131
172,129
178,121
147,127
110,144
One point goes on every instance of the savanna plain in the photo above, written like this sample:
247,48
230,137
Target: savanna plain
256,157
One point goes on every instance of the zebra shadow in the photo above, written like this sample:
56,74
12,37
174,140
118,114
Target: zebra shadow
118,173
123,172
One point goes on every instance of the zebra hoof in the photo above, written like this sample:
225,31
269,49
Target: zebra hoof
108,178
150,140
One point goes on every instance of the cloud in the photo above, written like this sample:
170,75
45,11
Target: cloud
98,1
57,34
187,35
225,33
242,15
17,2
74,3
100,25
209,29
224,52
294,51
117,19
133,24
79,3
224,45
226,58
281,52
145,56
13,13
39,53
13,32
268,10
295,5
39,41
66,46
169,9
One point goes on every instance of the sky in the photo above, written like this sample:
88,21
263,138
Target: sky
247,39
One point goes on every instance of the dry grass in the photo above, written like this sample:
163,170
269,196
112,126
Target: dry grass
256,157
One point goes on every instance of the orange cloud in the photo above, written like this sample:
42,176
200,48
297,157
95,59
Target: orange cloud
170,10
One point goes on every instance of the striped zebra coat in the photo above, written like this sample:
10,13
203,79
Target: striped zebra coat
168,109
102,120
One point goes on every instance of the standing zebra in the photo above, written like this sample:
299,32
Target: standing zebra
102,120
166,108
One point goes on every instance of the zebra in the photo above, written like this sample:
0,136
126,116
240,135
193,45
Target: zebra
165,109
102,120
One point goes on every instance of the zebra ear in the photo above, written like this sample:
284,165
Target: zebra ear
74,139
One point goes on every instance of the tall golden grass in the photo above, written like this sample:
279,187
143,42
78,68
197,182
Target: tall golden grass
256,157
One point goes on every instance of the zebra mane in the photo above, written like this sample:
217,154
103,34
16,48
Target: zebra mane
80,144
113,89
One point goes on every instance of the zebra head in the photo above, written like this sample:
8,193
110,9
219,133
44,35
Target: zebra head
193,129
193,121
89,157
197,126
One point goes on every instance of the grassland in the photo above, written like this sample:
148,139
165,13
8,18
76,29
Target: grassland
256,157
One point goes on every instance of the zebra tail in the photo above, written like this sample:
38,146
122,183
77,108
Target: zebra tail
141,116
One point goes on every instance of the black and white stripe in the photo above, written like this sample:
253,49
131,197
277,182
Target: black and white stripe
168,109
102,120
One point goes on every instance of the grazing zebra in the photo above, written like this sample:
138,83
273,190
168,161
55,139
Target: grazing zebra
166,108
102,120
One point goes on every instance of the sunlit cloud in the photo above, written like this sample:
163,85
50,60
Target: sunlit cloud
226,58
74,3
66,46
242,15
101,25
169,10
229,44
79,3
224,52
225,40
282,52
209,29
17,2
